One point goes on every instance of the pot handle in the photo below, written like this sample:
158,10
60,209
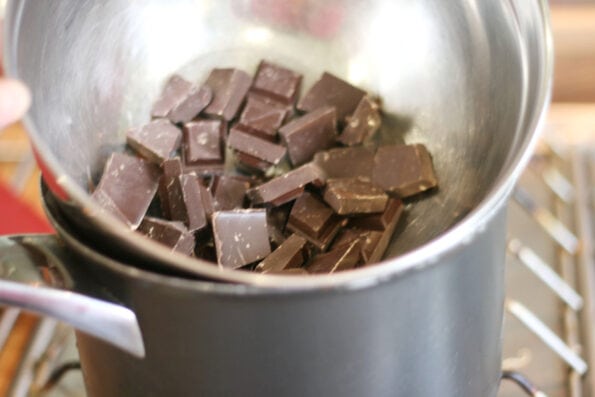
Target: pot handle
33,278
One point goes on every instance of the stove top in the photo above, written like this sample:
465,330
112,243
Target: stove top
549,342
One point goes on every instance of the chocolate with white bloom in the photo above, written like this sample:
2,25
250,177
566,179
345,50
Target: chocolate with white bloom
174,92
155,141
171,234
278,83
346,162
351,196
287,187
127,187
229,91
197,99
269,153
362,124
241,237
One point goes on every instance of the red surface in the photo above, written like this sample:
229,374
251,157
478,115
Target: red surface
17,217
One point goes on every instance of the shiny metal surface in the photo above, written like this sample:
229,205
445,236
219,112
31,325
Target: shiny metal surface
470,79
26,278
419,334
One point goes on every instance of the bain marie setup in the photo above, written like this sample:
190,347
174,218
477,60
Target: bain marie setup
269,201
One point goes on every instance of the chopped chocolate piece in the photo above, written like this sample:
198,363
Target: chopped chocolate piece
197,99
241,237
172,234
202,140
261,119
229,192
174,92
229,90
291,254
332,91
185,202
248,163
172,168
373,242
348,162
309,134
314,220
127,187
252,146
277,82
341,258
288,186
362,125
348,196
404,170
381,221
155,141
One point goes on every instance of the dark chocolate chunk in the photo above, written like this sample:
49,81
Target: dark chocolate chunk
374,240
288,186
291,254
309,134
404,170
203,146
277,82
174,92
241,237
197,99
155,141
250,145
341,258
208,202
185,202
229,90
261,119
172,168
127,187
350,196
314,220
332,91
229,192
348,162
172,234
362,125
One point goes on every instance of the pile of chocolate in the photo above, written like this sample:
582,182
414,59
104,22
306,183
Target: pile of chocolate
235,172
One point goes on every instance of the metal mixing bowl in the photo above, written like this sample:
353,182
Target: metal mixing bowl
468,78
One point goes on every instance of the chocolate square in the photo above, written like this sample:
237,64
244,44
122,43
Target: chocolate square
291,254
314,220
229,192
362,124
241,237
404,170
155,141
352,196
171,234
261,119
342,258
229,90
203,145
309,134
127,187
174,92
277,82
197,99
258,148
332,91
186,203
287,187
348,162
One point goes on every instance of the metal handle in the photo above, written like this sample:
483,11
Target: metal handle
31,274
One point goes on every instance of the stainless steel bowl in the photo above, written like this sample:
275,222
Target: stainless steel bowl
470,79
